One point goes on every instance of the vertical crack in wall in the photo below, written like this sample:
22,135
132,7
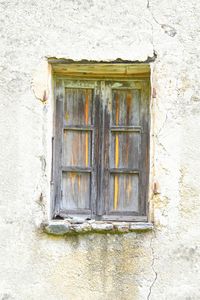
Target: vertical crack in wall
153,268
149,8
152,33
171,31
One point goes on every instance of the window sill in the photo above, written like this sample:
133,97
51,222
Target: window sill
63,227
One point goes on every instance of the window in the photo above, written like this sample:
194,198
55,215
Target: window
101,147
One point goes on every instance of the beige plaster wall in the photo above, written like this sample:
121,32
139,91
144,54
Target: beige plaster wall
163,264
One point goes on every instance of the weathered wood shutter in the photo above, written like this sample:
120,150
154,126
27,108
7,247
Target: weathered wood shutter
76,147
101,137
126,164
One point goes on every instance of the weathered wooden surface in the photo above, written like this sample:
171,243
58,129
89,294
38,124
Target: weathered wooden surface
102,70
104,147
125,147
76,191
126,107
125,150
77,149
57,172
78,106
124,192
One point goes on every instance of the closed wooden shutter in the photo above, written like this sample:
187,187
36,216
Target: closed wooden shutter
102,140
126,164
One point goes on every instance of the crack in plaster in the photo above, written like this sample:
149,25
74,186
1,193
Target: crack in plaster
159,133
152,266
152,33
168,29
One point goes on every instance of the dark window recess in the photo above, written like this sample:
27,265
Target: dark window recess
101,149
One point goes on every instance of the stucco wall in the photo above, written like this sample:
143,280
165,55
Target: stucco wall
162,264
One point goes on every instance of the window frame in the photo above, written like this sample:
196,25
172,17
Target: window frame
96,83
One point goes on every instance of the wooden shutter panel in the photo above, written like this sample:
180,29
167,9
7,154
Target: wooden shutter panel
127,166
101,148
76,139
76,159
57,168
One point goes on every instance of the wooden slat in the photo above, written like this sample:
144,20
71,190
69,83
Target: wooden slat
76,169
144,159
123,171
105,77
133,218
126,86
78,215
52,159
78,83
59,95
105,195
79,128
126,128
101,69
101,150
95,178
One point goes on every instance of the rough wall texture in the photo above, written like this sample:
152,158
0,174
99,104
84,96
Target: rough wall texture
163,264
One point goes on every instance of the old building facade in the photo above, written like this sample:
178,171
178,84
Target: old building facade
155,260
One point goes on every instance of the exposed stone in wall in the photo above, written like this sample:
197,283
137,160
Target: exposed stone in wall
61,228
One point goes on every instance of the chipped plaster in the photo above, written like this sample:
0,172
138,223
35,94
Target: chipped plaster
163,264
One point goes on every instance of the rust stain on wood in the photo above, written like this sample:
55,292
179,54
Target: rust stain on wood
116,151
129,189
128,104
79,183
116,194
86,123
128,107
116,180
